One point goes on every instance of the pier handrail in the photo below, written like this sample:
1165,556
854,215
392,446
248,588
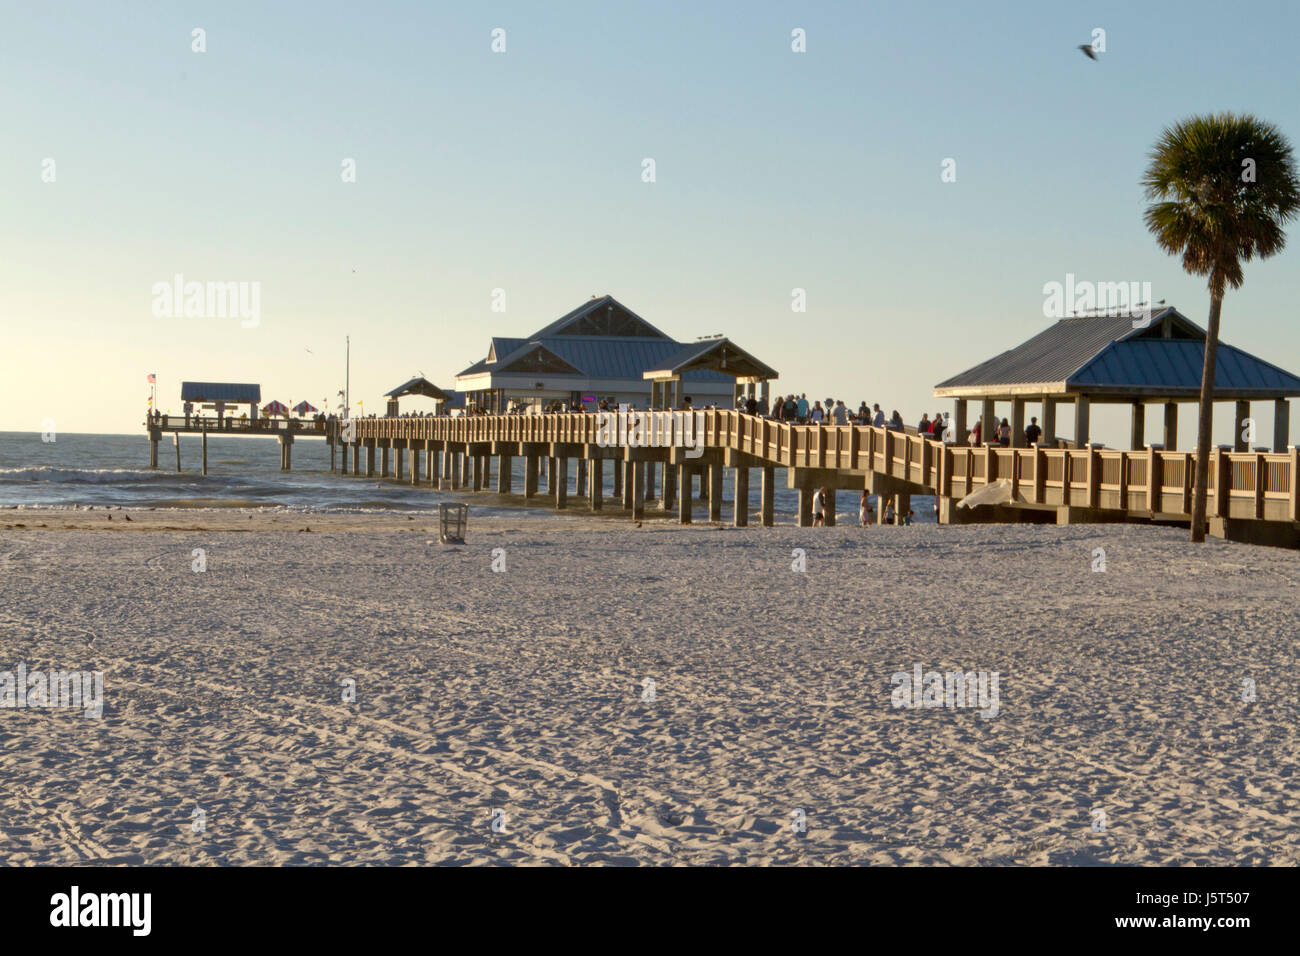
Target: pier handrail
1241,484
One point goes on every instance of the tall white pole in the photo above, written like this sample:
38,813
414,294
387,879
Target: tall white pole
347,378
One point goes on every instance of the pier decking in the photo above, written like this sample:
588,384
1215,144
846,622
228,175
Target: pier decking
1253,496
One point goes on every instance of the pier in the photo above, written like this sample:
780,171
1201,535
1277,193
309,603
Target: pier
284,430
1253,496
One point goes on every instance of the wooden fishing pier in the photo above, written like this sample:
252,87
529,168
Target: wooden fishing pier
1253,496
284,430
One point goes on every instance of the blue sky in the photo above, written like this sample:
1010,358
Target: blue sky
522,171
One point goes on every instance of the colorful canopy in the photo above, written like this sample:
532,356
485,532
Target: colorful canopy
275,408
303,407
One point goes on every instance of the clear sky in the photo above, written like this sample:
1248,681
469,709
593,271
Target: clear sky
522,171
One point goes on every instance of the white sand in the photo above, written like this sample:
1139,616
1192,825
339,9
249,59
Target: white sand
522,691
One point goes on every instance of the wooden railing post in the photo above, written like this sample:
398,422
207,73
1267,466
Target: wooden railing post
1294,482
1155,480
1261,479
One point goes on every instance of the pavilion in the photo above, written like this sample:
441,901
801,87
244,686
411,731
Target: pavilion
717,354
600,350
220,396
418,386
1119,359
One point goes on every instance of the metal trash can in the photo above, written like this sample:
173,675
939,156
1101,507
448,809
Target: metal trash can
452,519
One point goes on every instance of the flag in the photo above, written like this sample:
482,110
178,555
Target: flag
152,379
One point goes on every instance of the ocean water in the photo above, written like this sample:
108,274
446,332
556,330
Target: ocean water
244,472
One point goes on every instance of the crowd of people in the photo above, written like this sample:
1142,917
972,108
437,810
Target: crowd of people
796,410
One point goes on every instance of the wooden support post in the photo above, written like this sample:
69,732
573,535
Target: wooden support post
1294,485
1082,423
384,460
1239,442
1171,426
176,440
669,497
399,454
806,492
628,485
356,458
903,507
684,500
1281,425
1261,479
1040,475
330,440
475,465
638,490
1222,482
740,508
830,507
1049,422
1189,473
1018,423
415,464
767,497
531,464
715,492
649,481
596,486
205,453
618,480
1155,480
486,462
1065,478
959,422
1094,476
153,451
560,482
1138,426
580,488
989,422
505,474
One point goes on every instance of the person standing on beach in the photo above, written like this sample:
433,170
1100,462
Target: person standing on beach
864,510
819,508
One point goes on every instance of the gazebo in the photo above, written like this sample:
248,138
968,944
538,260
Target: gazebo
1119,359
714,354
417,386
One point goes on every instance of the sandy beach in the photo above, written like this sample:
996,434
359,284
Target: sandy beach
524,696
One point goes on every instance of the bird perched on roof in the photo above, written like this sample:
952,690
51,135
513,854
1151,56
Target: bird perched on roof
1088,51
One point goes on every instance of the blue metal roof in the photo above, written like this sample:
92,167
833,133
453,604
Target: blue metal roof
1175,365
220,392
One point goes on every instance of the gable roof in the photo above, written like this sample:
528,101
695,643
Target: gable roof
418,386
712,355
1100,354
605,317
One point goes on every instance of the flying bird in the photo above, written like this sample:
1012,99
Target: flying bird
1088,51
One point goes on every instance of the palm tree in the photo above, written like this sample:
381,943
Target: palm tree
1223,188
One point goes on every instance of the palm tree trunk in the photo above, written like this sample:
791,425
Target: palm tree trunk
1205,420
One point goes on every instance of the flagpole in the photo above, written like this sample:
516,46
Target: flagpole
347,376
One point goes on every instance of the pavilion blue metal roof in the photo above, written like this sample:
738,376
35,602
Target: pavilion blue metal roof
220,392
1106,354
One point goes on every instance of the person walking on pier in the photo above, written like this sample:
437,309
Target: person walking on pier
841,413
1033,433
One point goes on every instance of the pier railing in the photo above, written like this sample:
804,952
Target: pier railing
1250,485
242,426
